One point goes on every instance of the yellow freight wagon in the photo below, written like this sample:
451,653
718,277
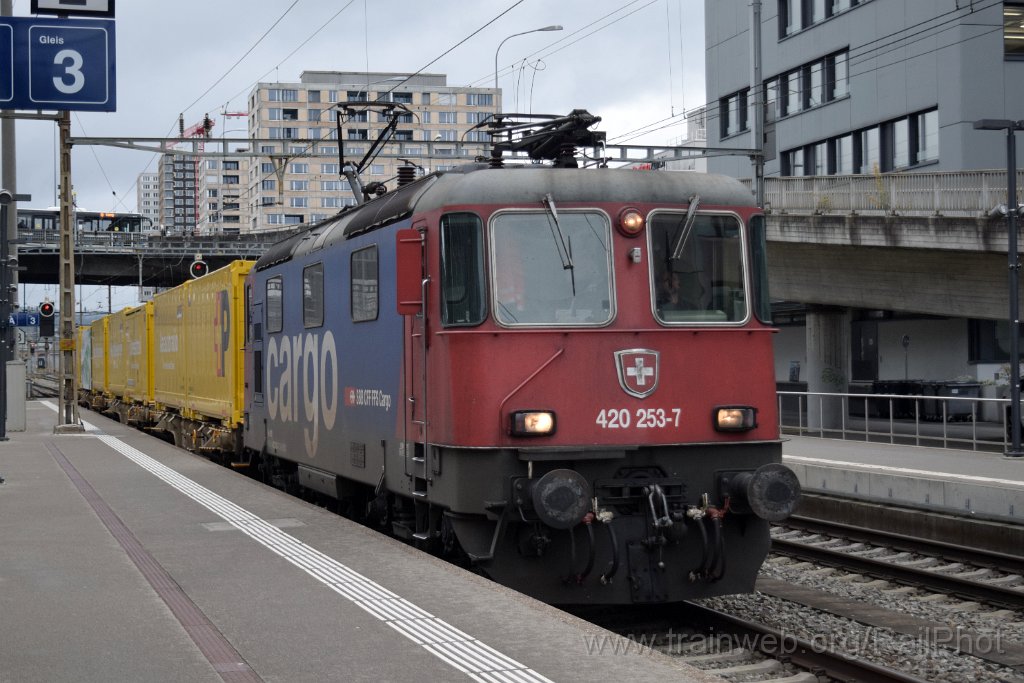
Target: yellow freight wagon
139,366
198,379
117,358
214,337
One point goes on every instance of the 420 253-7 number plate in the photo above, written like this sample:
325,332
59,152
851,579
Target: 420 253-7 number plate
639,418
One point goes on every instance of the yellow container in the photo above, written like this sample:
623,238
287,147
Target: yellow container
99,355
214,337
117,357
198,337
139,359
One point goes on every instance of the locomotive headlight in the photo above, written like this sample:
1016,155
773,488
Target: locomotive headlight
533,423
735,418
631,222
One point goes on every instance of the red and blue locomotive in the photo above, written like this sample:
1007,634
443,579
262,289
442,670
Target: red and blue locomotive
563,374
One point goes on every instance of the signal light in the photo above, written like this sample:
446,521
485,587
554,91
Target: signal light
46,321
198,269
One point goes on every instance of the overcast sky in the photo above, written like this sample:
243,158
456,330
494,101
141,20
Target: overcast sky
636,64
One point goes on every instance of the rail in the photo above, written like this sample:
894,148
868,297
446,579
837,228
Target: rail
953,193
960,422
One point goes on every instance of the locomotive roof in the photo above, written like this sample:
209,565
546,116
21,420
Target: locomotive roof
476,184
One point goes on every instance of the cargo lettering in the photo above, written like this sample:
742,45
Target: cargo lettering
302,383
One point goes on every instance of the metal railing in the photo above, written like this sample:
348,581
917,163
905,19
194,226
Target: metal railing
954,193
961,422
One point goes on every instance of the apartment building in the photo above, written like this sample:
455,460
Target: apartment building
179,174
147,197
301,131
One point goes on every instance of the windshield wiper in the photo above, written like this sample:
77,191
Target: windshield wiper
564,249
684,233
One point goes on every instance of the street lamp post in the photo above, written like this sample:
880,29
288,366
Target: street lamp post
554,27
1013,259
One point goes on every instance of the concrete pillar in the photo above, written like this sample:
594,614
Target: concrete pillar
828,365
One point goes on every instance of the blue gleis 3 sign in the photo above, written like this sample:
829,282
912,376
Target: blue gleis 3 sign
57,64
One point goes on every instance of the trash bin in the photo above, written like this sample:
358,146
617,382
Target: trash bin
959,409
857,405
882,406
931,409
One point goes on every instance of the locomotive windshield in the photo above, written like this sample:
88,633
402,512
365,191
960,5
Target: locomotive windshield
705,283
551,273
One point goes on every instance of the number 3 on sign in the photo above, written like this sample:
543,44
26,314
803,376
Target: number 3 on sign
74,70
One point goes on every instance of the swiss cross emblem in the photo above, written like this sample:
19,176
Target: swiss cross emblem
638,371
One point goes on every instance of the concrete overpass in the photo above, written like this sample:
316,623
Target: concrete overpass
913,243
135,259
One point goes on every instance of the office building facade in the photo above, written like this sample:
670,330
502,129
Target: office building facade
864,86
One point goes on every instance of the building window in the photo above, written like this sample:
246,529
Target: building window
793,162
266,167
298,168
837,67
733,109
313,96
230,165
230,180
927,136
298,185
901,144
298,202
330,202
268,184
330,186
446,117
356,96
870,151
330,169
358,134
282,95
796,15
1013,30
480,99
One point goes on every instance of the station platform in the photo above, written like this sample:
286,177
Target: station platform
123,558
958,482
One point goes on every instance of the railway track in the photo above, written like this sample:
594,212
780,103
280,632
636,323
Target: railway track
993,578
736,649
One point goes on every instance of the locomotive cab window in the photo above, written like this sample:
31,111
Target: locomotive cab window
313,295
462,270
364,284
552,268
275,305
697,270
